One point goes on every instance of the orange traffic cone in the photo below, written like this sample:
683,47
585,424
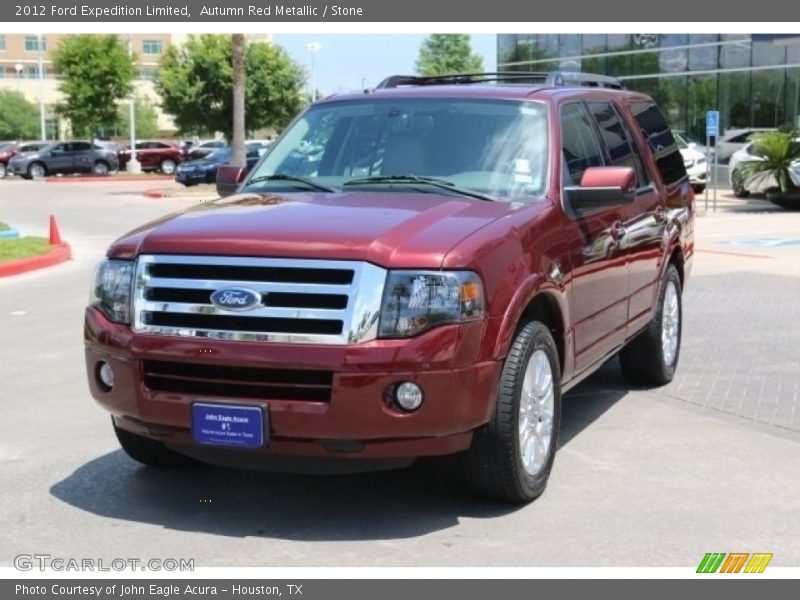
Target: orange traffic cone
55,234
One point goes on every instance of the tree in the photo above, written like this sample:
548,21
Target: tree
19,119
195,82
238,157
146,119
97,72
447,53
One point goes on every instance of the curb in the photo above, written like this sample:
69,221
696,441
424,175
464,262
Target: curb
154,194
60,253
107,178
9,234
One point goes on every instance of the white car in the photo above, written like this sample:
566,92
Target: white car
742,187
733,140
695,162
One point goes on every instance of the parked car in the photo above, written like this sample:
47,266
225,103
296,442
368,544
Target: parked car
695,162
732,140
9,150
63,158
203,149
204,170
459,256
153,155
743,186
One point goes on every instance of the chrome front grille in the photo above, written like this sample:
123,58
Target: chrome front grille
303,301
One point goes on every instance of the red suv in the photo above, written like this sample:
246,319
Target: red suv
420,270
154,155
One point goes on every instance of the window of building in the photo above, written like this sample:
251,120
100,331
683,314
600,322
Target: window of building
661,141
151,47
578,143
31,72
2,43
32,43
147,74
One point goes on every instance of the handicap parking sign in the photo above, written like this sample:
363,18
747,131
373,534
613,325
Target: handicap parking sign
712,123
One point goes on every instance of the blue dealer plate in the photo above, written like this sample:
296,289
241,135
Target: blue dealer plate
228,425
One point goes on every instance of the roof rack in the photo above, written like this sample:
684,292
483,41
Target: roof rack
551,79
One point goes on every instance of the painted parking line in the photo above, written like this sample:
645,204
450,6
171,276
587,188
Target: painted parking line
766,242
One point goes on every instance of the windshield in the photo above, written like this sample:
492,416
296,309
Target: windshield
220,154
498,148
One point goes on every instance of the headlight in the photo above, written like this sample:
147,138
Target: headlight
111,290
414,301
688,163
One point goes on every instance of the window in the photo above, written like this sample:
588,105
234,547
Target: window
81,146
151,47
147,74
2,43
32,43
579,144
620,150
661,141
31,72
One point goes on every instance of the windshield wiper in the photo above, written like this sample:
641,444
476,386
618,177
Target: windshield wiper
434,181
294,178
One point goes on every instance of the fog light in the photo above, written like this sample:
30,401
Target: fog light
408,396
106,375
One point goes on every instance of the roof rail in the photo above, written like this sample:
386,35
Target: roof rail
554,79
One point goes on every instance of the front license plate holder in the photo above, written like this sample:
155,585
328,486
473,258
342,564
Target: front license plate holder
229,425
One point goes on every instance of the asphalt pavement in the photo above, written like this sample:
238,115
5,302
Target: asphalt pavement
643,477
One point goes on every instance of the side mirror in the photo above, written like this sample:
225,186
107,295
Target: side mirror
228,179
602,187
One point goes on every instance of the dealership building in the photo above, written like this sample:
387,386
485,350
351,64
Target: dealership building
753,80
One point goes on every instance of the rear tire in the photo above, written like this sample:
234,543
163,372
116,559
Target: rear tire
150,452
101,167
511,456
3,170
699,189
737,183
168,166
652,356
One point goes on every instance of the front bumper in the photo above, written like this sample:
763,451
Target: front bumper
356,422
698,174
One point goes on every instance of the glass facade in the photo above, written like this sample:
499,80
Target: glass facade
753,83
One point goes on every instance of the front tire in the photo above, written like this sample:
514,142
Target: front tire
36,170
3,170
511,456
101,167
652,357
150,452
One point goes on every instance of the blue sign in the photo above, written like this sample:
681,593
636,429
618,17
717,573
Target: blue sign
712,123
228,425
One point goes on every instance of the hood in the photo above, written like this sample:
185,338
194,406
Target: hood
202,162
389,229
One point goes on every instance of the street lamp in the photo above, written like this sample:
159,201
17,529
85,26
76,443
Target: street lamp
133,165
313,48
43,129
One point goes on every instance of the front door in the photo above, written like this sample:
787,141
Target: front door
598,295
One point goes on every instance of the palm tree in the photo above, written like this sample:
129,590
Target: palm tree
775,153
237,142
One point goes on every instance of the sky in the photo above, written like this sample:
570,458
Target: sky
343,60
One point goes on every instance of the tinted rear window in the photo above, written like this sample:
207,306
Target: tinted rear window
661,141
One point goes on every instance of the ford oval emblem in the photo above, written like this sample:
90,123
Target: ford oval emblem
235,298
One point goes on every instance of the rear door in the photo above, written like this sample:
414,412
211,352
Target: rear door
598,295
642,239
82,156
655,210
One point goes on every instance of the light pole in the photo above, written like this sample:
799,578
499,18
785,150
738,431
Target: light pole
133,165
313,48
42,126
18,67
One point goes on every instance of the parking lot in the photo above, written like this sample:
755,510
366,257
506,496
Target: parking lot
643,477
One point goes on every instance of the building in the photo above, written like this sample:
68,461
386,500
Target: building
753,80
19,70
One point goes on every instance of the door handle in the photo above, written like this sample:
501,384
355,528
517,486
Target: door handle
617,230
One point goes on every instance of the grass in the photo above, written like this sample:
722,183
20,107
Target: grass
23,247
